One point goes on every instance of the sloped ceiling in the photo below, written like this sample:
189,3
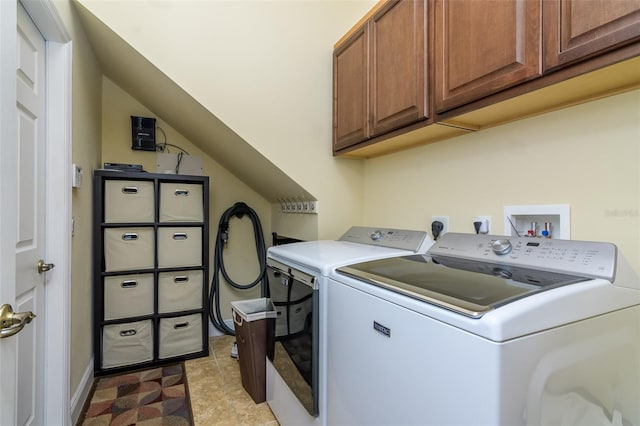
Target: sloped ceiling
130,70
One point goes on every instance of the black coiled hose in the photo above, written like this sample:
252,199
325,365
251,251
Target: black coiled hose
238,210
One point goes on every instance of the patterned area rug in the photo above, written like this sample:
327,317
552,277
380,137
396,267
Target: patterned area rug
158,396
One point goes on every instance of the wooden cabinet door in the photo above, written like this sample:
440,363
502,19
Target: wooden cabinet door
576,29
397,87
350,96
484,46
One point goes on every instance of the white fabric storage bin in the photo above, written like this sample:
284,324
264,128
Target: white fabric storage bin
125,344
128,296
181,202
128,248
179,291
180,246
128,201
180,335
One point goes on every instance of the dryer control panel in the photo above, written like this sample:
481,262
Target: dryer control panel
581,258
403,239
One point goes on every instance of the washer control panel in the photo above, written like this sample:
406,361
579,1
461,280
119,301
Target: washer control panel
415,241
582,258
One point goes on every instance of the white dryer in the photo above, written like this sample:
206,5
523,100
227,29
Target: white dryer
485,330
296,376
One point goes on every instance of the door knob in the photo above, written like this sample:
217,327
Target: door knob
44,267
13,322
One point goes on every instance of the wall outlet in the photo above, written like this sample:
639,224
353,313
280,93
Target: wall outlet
445,223
485,224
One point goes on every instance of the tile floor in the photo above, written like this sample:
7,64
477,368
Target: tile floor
217,395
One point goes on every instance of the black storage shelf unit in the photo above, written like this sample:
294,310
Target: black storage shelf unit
150,281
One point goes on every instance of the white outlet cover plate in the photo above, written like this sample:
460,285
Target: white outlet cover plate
444,220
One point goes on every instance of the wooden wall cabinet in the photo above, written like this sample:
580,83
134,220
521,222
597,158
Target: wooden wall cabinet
574,30
350,80
483,47
491,62
379,72
151,262
486,46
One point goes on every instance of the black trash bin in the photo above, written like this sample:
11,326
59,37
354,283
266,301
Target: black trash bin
254,322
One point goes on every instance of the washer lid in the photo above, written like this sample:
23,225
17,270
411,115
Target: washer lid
464,286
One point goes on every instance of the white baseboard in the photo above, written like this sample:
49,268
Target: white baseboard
81,393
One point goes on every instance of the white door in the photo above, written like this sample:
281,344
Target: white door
23,182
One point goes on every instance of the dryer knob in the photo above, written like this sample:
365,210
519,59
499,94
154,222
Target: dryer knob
376,235
501,247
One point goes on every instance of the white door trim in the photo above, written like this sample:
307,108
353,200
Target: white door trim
8,193
58,208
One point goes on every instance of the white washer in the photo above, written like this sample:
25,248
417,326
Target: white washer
485,331
299,397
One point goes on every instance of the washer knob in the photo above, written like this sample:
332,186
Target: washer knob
376,235
501,247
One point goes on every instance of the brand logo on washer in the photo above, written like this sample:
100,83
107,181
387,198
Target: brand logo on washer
382,329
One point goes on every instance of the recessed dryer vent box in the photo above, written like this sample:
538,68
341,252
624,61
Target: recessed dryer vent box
550,221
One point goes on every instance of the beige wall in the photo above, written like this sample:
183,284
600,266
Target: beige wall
587,156
300,226
86,116
264,69
225,189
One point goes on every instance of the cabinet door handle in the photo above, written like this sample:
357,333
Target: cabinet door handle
129,189
181,325
182,192
130,236
181,279
129,284
127,333
179,236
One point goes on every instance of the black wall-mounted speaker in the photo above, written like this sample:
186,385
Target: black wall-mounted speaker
143,133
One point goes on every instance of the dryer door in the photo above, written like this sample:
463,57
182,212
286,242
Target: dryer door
296,348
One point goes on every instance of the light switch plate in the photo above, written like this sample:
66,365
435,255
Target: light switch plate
76,176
